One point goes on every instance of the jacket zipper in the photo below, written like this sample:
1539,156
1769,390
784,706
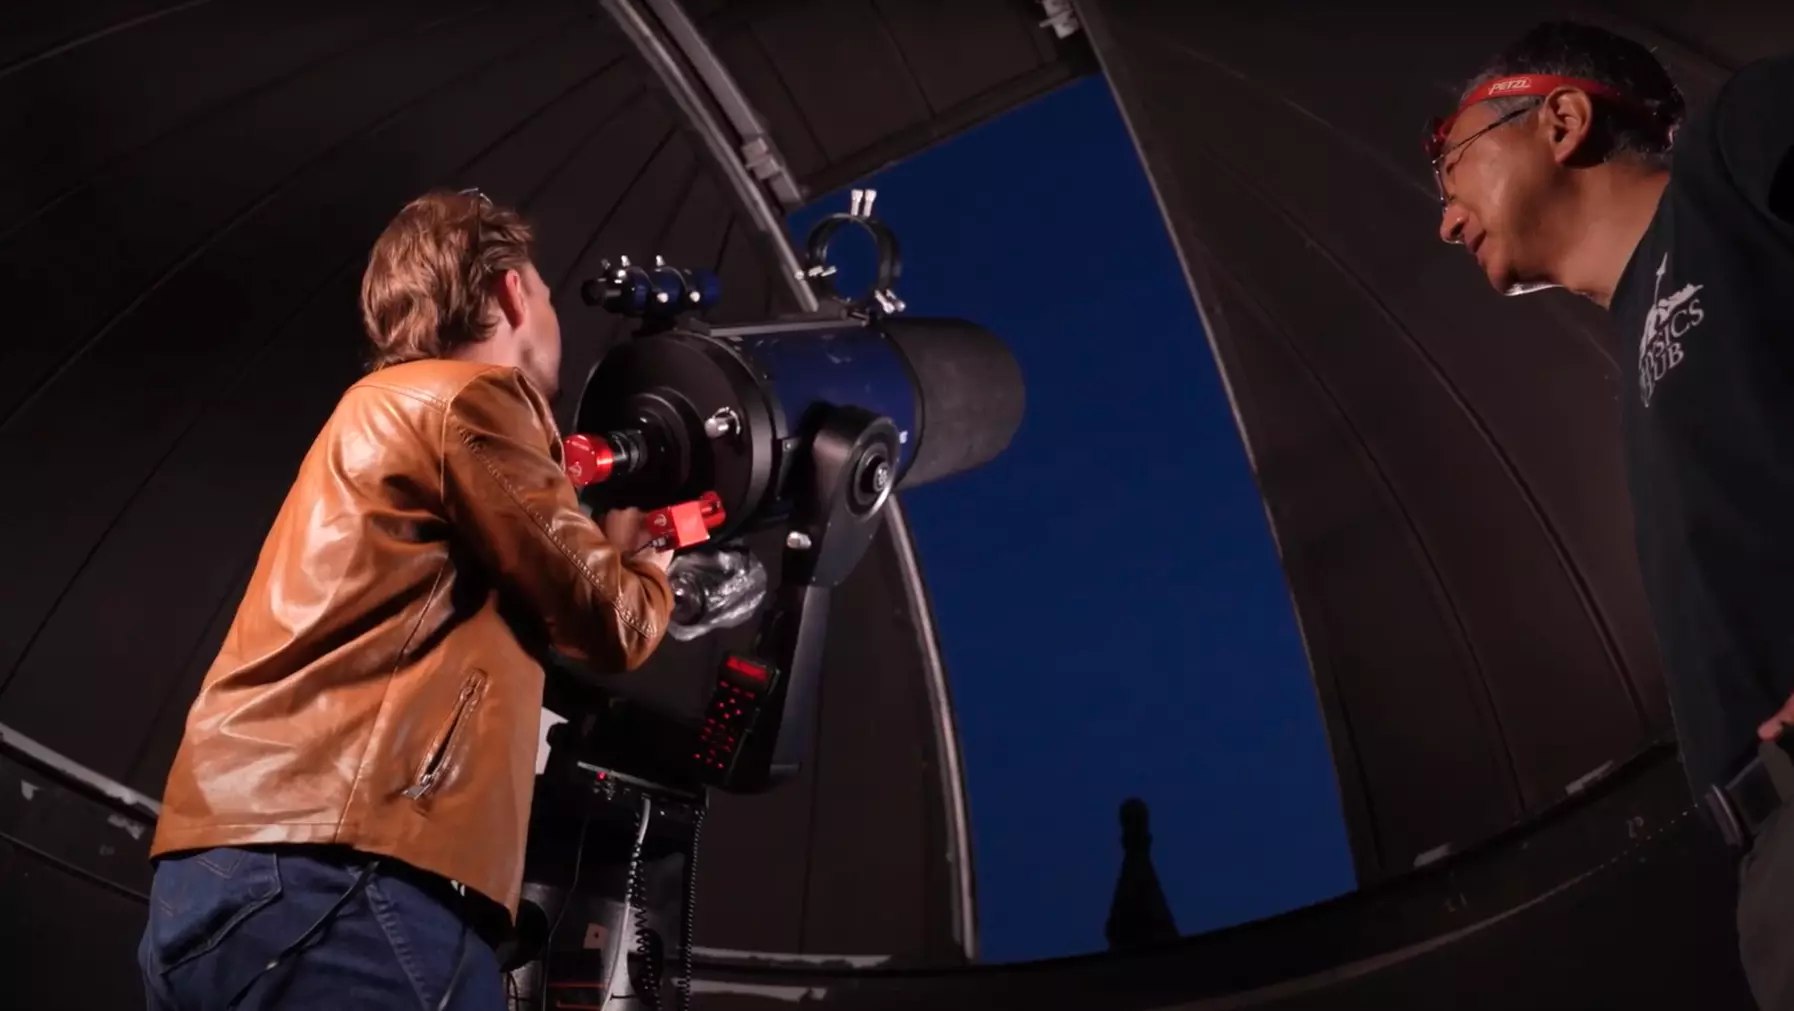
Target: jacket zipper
433,767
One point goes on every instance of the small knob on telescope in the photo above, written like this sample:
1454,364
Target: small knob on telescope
722,424
660,291
703,289
621,289
666,288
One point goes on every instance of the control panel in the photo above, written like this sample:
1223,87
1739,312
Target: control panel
743,685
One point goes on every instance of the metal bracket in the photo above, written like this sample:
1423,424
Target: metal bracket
1060,17
819,273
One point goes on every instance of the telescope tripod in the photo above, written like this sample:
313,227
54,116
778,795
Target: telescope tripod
615,907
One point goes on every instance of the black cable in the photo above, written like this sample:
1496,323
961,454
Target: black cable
688,916
312,933
448,993
647,962
579,854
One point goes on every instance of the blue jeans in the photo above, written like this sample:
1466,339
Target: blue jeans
234,928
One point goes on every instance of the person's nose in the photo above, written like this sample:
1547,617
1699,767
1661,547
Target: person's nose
1451,224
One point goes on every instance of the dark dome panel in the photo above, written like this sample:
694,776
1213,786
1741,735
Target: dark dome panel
1441,466
228,342
188,243
849,86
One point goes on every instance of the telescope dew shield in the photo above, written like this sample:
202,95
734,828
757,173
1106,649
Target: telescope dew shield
730,411
971,393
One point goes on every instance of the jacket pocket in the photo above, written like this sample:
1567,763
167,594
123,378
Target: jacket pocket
438,761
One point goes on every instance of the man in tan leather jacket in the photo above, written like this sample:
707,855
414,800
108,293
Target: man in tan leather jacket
344,822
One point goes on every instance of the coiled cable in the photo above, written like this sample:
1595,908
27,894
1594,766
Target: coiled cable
648,960
687,916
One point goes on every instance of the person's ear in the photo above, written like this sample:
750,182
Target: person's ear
510,298
1565,118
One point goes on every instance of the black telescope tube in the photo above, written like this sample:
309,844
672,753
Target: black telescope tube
969,390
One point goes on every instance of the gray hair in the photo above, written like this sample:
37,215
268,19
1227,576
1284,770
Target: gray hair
1642,130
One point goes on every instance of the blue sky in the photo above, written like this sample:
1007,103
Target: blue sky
1112,613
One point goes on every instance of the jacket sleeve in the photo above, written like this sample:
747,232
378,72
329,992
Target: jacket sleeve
509,500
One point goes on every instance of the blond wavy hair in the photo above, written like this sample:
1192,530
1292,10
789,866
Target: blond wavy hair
429,284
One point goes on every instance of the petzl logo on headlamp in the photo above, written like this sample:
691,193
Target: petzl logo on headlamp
1511,84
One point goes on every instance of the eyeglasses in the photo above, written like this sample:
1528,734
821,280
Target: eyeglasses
474,191
1439,150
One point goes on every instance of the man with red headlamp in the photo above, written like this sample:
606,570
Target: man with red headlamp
1567,164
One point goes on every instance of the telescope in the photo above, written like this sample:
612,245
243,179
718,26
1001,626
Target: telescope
806,424
809,423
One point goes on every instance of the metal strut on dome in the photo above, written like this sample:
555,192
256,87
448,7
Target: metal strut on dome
760,155
670,44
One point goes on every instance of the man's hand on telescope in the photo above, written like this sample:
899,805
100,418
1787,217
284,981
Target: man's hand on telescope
1781,721
623,528
658,559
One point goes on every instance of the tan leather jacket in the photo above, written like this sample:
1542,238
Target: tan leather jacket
370,692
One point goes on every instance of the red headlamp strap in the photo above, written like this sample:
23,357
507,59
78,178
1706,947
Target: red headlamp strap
1520,86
